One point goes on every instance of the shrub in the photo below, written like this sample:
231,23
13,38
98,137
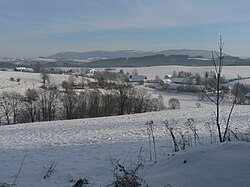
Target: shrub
174,103
127,177
198,105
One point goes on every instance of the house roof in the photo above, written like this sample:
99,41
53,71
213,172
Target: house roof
138,78
166,80
167,76
177,80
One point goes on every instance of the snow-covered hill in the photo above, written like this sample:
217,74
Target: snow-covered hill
84,148
95,55
27,80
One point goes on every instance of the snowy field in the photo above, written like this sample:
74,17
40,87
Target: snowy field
84,148
27,80
228,71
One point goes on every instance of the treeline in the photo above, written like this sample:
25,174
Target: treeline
240,91
160,60
50,103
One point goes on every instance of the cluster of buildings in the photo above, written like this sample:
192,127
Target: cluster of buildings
190,83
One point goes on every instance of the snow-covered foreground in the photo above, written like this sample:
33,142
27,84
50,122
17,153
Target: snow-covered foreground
84,148
224,165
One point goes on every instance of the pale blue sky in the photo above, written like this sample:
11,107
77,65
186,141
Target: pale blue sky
30,28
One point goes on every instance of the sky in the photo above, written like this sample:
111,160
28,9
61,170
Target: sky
32,28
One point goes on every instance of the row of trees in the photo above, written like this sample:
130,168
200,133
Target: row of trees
240,91
49,104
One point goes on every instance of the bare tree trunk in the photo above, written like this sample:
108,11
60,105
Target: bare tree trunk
218,69
218,107
230,113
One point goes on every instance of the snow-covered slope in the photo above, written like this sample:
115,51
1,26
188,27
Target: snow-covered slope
84,148
27,80
221,165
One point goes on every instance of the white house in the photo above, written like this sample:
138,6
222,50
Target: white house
138,78
24,69
177,80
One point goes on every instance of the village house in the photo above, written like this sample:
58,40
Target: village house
177,80
138,79
164,83
24,69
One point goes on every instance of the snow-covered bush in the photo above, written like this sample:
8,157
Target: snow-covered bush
174,103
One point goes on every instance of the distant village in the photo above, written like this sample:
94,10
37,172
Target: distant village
177,81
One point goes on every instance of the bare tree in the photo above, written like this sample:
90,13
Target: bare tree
82,105
226,132
30,104
67,86
206,79
69,102
239,91
15,101
174,103
218,65
45,77
48,102
161,105
109,104
123,96
94,104
142,98
38,68
215,82
5,106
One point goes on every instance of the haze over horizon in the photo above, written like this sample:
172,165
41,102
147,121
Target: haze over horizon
41,28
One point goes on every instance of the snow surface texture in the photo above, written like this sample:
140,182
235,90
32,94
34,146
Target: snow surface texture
27,80
84,148
224,165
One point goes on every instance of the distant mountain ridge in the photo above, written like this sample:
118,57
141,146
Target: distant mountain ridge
97,55
189,52
162,60
126,58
